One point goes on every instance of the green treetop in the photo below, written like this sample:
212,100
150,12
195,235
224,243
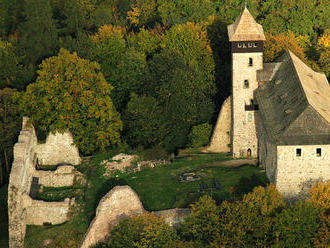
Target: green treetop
71,93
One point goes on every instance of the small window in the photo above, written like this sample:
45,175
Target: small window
298,152
250,62
250,117
246,84
318,152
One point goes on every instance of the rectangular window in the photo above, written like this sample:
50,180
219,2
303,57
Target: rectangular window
318,152
298,152
250,62
246,84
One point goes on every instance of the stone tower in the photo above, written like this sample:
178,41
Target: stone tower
246,37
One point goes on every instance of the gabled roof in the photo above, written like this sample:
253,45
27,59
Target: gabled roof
294,106
245,28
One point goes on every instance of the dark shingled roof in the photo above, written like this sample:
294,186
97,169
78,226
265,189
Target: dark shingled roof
294,105
268,72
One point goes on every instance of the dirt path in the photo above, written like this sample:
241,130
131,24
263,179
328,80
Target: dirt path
235,163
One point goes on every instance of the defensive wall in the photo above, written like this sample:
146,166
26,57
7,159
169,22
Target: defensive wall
25,179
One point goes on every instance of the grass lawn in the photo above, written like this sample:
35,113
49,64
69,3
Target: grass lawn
158,188
3,217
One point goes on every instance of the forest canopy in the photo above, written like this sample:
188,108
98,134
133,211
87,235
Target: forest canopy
165,64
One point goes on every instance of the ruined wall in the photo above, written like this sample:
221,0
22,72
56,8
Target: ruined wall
121,203
118,204
58,149
40,212
61,177
295,175
23,210
243,126
220,141
19,184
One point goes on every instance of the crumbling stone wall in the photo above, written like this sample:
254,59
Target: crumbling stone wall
22,209
295,175
121,203
58,149
41,212
61,177
220,141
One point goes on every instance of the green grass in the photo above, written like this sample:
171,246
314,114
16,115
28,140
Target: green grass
3,217
158,188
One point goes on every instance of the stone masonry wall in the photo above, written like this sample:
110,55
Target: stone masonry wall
295,175
40,212
58,149
220,141
243,125
61,177
22,209
121,203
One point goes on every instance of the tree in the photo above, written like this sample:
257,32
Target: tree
124,68
319,197
248,223
143,121
71,93
143,13
9,129
203,223
12,72
182,11
297,226
38,34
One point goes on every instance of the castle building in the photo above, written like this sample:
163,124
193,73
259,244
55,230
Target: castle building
278,112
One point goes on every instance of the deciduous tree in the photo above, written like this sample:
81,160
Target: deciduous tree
71,93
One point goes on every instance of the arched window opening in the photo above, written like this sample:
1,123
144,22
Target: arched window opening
250,62
246,84
249,153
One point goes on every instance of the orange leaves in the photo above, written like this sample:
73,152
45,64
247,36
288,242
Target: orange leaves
320,195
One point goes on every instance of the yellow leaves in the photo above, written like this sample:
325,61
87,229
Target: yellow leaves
320,195
133,15
107,30
324,40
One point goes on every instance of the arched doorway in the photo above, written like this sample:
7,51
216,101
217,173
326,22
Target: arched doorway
249,153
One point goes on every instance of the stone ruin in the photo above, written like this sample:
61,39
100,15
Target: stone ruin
25,179
125,162
118,204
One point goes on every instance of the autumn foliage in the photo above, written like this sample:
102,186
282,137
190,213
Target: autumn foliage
71,93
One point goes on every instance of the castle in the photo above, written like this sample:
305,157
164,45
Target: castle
278,112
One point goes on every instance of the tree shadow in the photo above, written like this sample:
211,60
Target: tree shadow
246,184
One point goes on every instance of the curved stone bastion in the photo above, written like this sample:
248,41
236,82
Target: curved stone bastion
25,179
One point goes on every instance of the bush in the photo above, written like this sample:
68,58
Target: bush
200,135
142,231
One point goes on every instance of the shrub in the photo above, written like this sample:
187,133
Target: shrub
142,231
200,135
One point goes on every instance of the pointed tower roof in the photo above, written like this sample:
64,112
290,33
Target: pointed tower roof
245,28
